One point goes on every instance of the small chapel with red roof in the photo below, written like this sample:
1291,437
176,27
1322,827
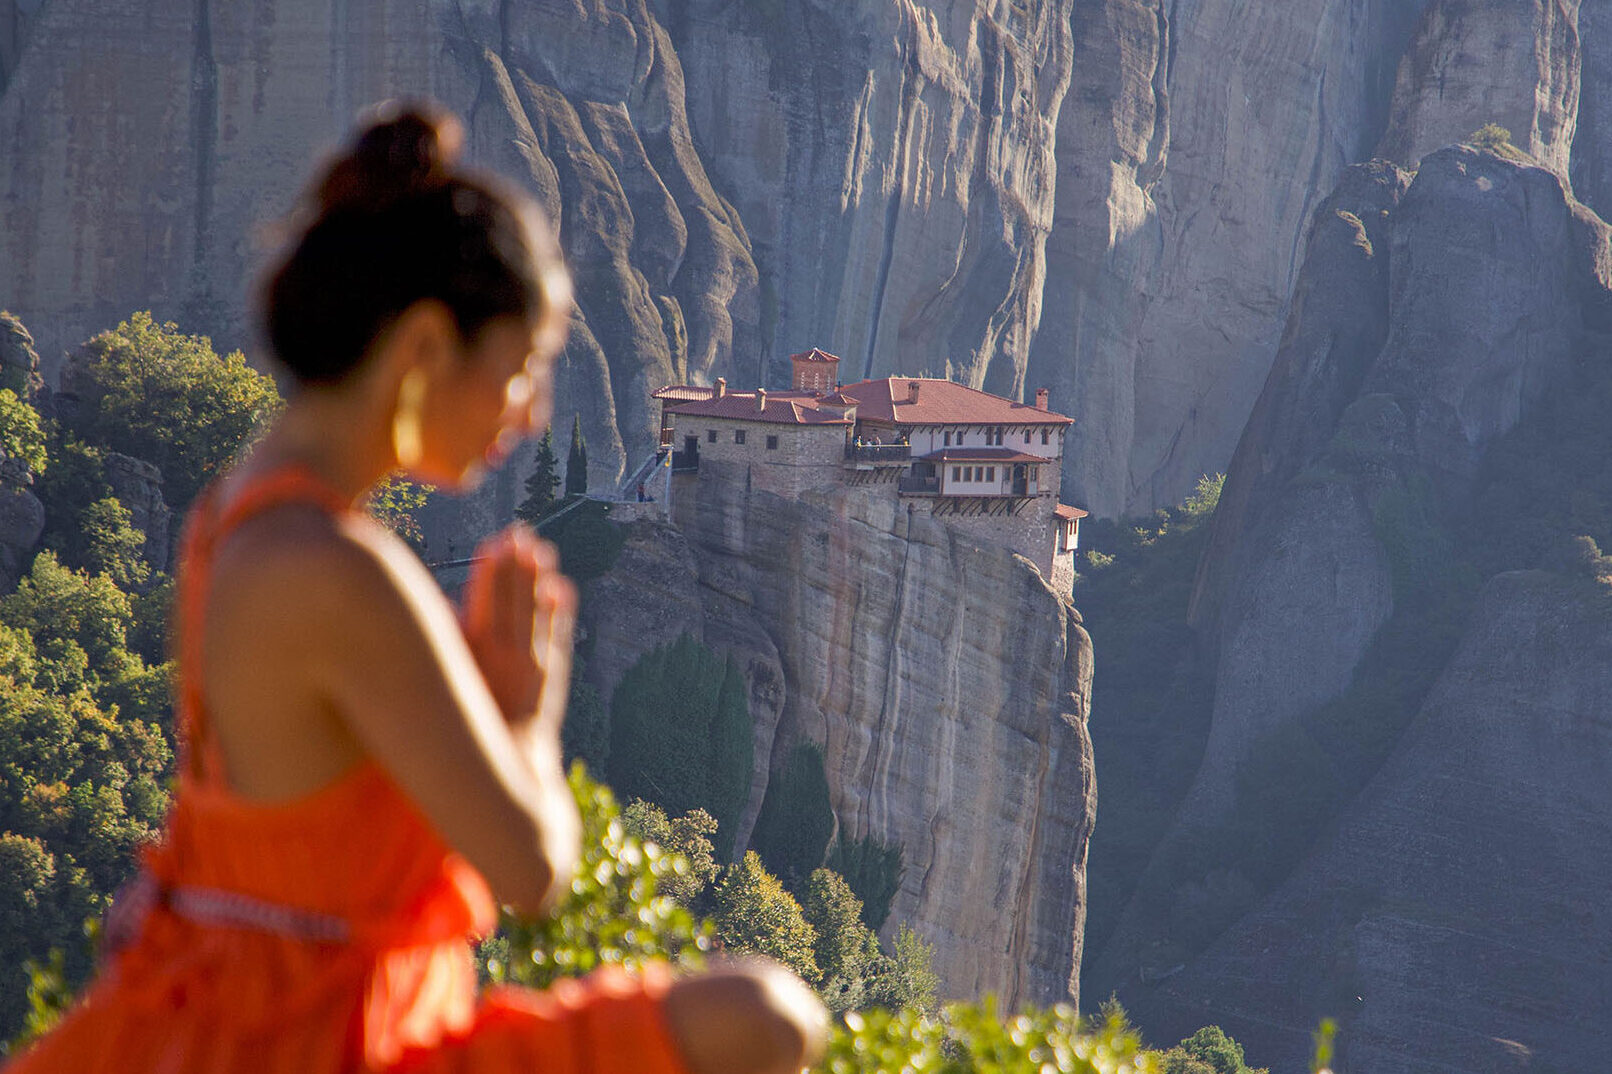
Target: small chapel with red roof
976,461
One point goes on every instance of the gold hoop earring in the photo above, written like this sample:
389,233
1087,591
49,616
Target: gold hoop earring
407,443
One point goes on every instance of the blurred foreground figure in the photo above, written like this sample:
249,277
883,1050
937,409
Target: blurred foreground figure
366,769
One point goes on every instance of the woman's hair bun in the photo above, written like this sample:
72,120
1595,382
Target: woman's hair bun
403,149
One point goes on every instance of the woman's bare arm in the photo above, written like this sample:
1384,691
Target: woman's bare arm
370,632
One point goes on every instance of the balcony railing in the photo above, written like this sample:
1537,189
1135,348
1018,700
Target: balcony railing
919,486
887,454
685,462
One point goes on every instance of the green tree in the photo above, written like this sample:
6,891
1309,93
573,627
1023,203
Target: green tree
542,483
576,464
148,390
754,914
394,503
873,868
846,951
681,734
688,837
906,980
1208,1051
22,437
112,545
796,819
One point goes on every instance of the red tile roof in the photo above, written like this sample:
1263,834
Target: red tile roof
682,393
1063,510
982,454
941,402
782,408
814,355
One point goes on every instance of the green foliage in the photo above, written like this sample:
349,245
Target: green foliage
111,544
75,481
972,1039
754,914
541,485
873,868
83,761
846,951
576,464
796,819
586,538
150,391
1208,1051
616,912
394,503
687,838
681,734
907,982
1494,138
22,437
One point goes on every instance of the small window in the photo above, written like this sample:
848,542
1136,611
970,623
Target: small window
999,432
1043,436
1027,436
772,443
738,436
990,473
710,436
948,440
957,473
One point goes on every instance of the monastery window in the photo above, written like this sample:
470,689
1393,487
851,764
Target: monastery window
1027,436
948,439
710,436
999,432
738,436
990,473
1043,436
957,473
772,443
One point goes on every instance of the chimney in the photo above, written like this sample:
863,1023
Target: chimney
761,399
912,391
721,387
1041,398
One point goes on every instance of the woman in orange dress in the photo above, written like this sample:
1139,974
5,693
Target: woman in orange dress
366,770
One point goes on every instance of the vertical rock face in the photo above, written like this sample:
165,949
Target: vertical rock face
1456,920
1491,61
1429,321
946,681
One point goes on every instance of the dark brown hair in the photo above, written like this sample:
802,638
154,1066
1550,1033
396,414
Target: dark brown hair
393,220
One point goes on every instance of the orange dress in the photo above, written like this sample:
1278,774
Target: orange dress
330,933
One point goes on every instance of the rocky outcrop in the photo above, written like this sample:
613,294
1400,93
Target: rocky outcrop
19,362
947,683
22,522
1429,323
1494,61
1455,919
138,486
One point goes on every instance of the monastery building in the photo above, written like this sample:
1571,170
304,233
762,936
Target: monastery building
976,461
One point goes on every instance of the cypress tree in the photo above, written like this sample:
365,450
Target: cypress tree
540,487
576,467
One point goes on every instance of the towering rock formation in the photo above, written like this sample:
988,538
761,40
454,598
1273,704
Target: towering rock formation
947,683
1427,324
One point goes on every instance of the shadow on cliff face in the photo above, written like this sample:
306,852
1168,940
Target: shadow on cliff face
1434,424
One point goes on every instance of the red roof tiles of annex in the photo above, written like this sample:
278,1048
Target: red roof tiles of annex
781,408
982,454
682,393
814,355
941,402
1063,510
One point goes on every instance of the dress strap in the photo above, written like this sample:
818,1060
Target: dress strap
209,522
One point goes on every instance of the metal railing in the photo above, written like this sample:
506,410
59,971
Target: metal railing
919,486
894,454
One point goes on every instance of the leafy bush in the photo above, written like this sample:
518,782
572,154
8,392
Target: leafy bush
22,437
796,820
1208,1051
687,838
616,913
681,734
755,914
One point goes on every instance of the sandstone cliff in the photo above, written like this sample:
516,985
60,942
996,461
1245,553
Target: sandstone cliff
945,680
1375,717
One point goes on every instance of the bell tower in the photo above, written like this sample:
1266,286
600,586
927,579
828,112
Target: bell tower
815,371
